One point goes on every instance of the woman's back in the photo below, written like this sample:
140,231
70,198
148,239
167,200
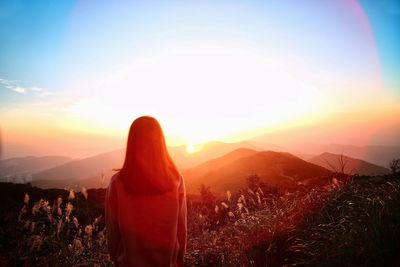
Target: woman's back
150,230
146,202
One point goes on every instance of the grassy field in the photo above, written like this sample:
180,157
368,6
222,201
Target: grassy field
353,221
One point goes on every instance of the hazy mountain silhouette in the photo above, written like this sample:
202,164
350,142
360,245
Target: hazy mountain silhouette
29,165
353,166
230,171
88,172
81,169
207,151
380,155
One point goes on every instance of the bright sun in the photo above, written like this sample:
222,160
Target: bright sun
190,149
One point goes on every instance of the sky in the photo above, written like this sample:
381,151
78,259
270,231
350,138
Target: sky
75,74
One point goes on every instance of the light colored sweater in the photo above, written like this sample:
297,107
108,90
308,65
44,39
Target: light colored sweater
146,230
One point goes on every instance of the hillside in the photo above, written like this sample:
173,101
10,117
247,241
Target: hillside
275,168
217,163
331,162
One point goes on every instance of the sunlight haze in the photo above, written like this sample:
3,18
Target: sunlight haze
228,71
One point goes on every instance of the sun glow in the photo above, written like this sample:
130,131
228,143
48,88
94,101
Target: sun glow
190,149
253,87
226,71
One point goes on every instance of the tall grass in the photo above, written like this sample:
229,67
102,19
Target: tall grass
359,226
354,223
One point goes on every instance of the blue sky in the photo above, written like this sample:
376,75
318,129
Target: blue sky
384,17
91,66
34,33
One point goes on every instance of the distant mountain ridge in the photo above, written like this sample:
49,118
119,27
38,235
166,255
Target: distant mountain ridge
207,151
30,164
331,162
75,171
211,159
96,171
379,155
280,169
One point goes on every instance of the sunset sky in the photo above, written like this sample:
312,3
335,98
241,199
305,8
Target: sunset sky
74,74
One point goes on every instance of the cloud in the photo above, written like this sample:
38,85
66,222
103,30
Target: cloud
7,83
16,87
19,90
36,89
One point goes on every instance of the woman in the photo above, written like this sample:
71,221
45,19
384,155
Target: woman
145,202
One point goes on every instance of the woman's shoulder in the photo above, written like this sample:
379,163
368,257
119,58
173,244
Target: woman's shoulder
114,176
113,181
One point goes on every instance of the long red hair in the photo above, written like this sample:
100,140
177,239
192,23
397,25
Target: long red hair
148,167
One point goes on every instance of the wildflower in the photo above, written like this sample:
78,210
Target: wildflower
216,209
240,206
84,192
251,199
97,220
259,190
71,194
242,199
36,242
89,229
101,237
229,195
44,204
335,183
26,199
75,221
36,207
230,214
224,205
258,198
46,208
68,209
59,201
247,211
77,244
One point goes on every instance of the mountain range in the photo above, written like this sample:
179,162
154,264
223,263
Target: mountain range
335,162
31,164
221,165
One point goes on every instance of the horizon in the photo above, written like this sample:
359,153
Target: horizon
281,122
74,75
